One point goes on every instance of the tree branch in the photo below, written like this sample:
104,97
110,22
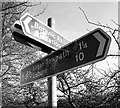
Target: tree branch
41,11
6,8
97,24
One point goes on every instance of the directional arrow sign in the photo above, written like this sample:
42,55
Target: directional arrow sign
18,33
19,36
38,31
88,49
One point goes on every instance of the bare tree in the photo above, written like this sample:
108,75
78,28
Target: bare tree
14,55
83,88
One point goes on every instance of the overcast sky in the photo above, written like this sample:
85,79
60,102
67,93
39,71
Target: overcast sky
70,21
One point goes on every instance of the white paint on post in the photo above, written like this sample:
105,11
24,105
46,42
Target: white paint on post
52,82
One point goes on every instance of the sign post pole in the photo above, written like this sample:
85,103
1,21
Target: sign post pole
52,87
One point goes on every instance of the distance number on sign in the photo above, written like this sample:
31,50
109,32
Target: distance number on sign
80,56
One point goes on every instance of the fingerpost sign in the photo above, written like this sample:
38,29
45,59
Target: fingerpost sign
85,50
42,33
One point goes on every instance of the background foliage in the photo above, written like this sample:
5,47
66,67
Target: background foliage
79,88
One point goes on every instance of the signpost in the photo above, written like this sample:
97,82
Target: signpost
52,81
41,33
19,36
88,49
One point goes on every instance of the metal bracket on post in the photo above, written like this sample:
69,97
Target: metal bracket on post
52,84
